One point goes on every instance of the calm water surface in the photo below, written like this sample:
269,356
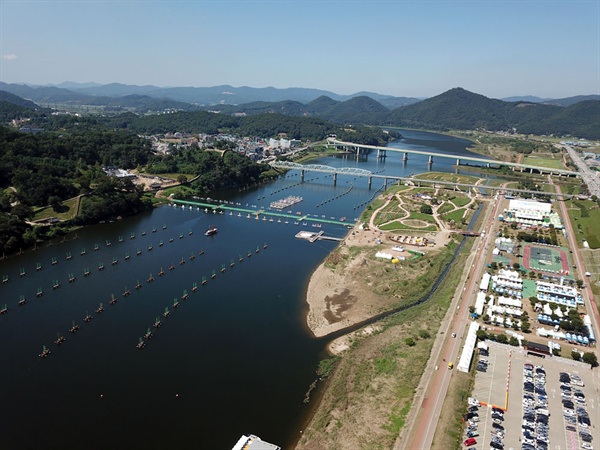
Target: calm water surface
233,358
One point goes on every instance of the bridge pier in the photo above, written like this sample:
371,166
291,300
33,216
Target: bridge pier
458,161
370,182
385,184
430,162
334,178
488,165
381,153
302,176
405,157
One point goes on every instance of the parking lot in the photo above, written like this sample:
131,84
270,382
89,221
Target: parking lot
547,401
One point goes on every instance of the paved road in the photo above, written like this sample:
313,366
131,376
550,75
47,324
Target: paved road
590,177
422,433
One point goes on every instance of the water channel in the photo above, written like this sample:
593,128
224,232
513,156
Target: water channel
233,358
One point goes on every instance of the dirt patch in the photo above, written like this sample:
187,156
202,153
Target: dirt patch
415,223
336,305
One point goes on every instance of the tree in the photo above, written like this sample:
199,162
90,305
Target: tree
516,266
590,358
426,209
502,338
575,355
410,342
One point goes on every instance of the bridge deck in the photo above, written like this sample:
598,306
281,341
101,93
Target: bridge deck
263,212
455,157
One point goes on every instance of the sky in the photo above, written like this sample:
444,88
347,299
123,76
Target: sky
497,48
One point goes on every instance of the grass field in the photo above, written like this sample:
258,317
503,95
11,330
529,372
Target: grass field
70,213
460,200
585,217
451,177
456,215
548,162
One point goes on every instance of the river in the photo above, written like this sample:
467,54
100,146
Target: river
233,358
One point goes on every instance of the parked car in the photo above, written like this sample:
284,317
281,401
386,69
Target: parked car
470,442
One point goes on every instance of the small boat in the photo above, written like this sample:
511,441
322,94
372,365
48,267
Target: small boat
112,300
148,334
126,292
150,279
59,339
74,328
157,322
138,285
88,317
22,300
4,309
175,302
211,231
140,345
100,309
167,313
161,272
45,352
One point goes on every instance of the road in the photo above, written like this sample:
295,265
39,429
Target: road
589,176
422,433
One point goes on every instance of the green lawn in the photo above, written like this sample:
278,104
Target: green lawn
446,207
400,226
70,213
550,163
585,217
460,201
456,215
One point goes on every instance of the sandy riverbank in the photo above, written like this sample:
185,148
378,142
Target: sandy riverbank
339,297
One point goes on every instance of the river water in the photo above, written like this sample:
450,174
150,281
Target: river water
233,358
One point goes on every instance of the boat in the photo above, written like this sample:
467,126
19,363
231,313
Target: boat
45,352
59,339
74,328
211,231
100,309
141,343
88,317
157,322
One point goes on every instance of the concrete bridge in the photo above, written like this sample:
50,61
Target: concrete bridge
288,165
382,152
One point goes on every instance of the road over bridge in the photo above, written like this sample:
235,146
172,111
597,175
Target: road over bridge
288,165
382,151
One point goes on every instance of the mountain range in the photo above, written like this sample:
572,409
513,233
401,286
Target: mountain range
453,109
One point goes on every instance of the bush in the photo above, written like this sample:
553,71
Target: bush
410,342
426,209
575,355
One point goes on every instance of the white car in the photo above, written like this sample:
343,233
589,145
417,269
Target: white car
587,446
473,402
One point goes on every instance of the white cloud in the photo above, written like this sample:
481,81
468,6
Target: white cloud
10,57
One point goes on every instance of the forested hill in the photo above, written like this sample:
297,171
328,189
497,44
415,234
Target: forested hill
464,110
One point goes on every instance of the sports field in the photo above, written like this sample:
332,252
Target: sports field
545,259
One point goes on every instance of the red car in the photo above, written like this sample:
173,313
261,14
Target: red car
470,442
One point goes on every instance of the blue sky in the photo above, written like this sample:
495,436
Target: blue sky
497,48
